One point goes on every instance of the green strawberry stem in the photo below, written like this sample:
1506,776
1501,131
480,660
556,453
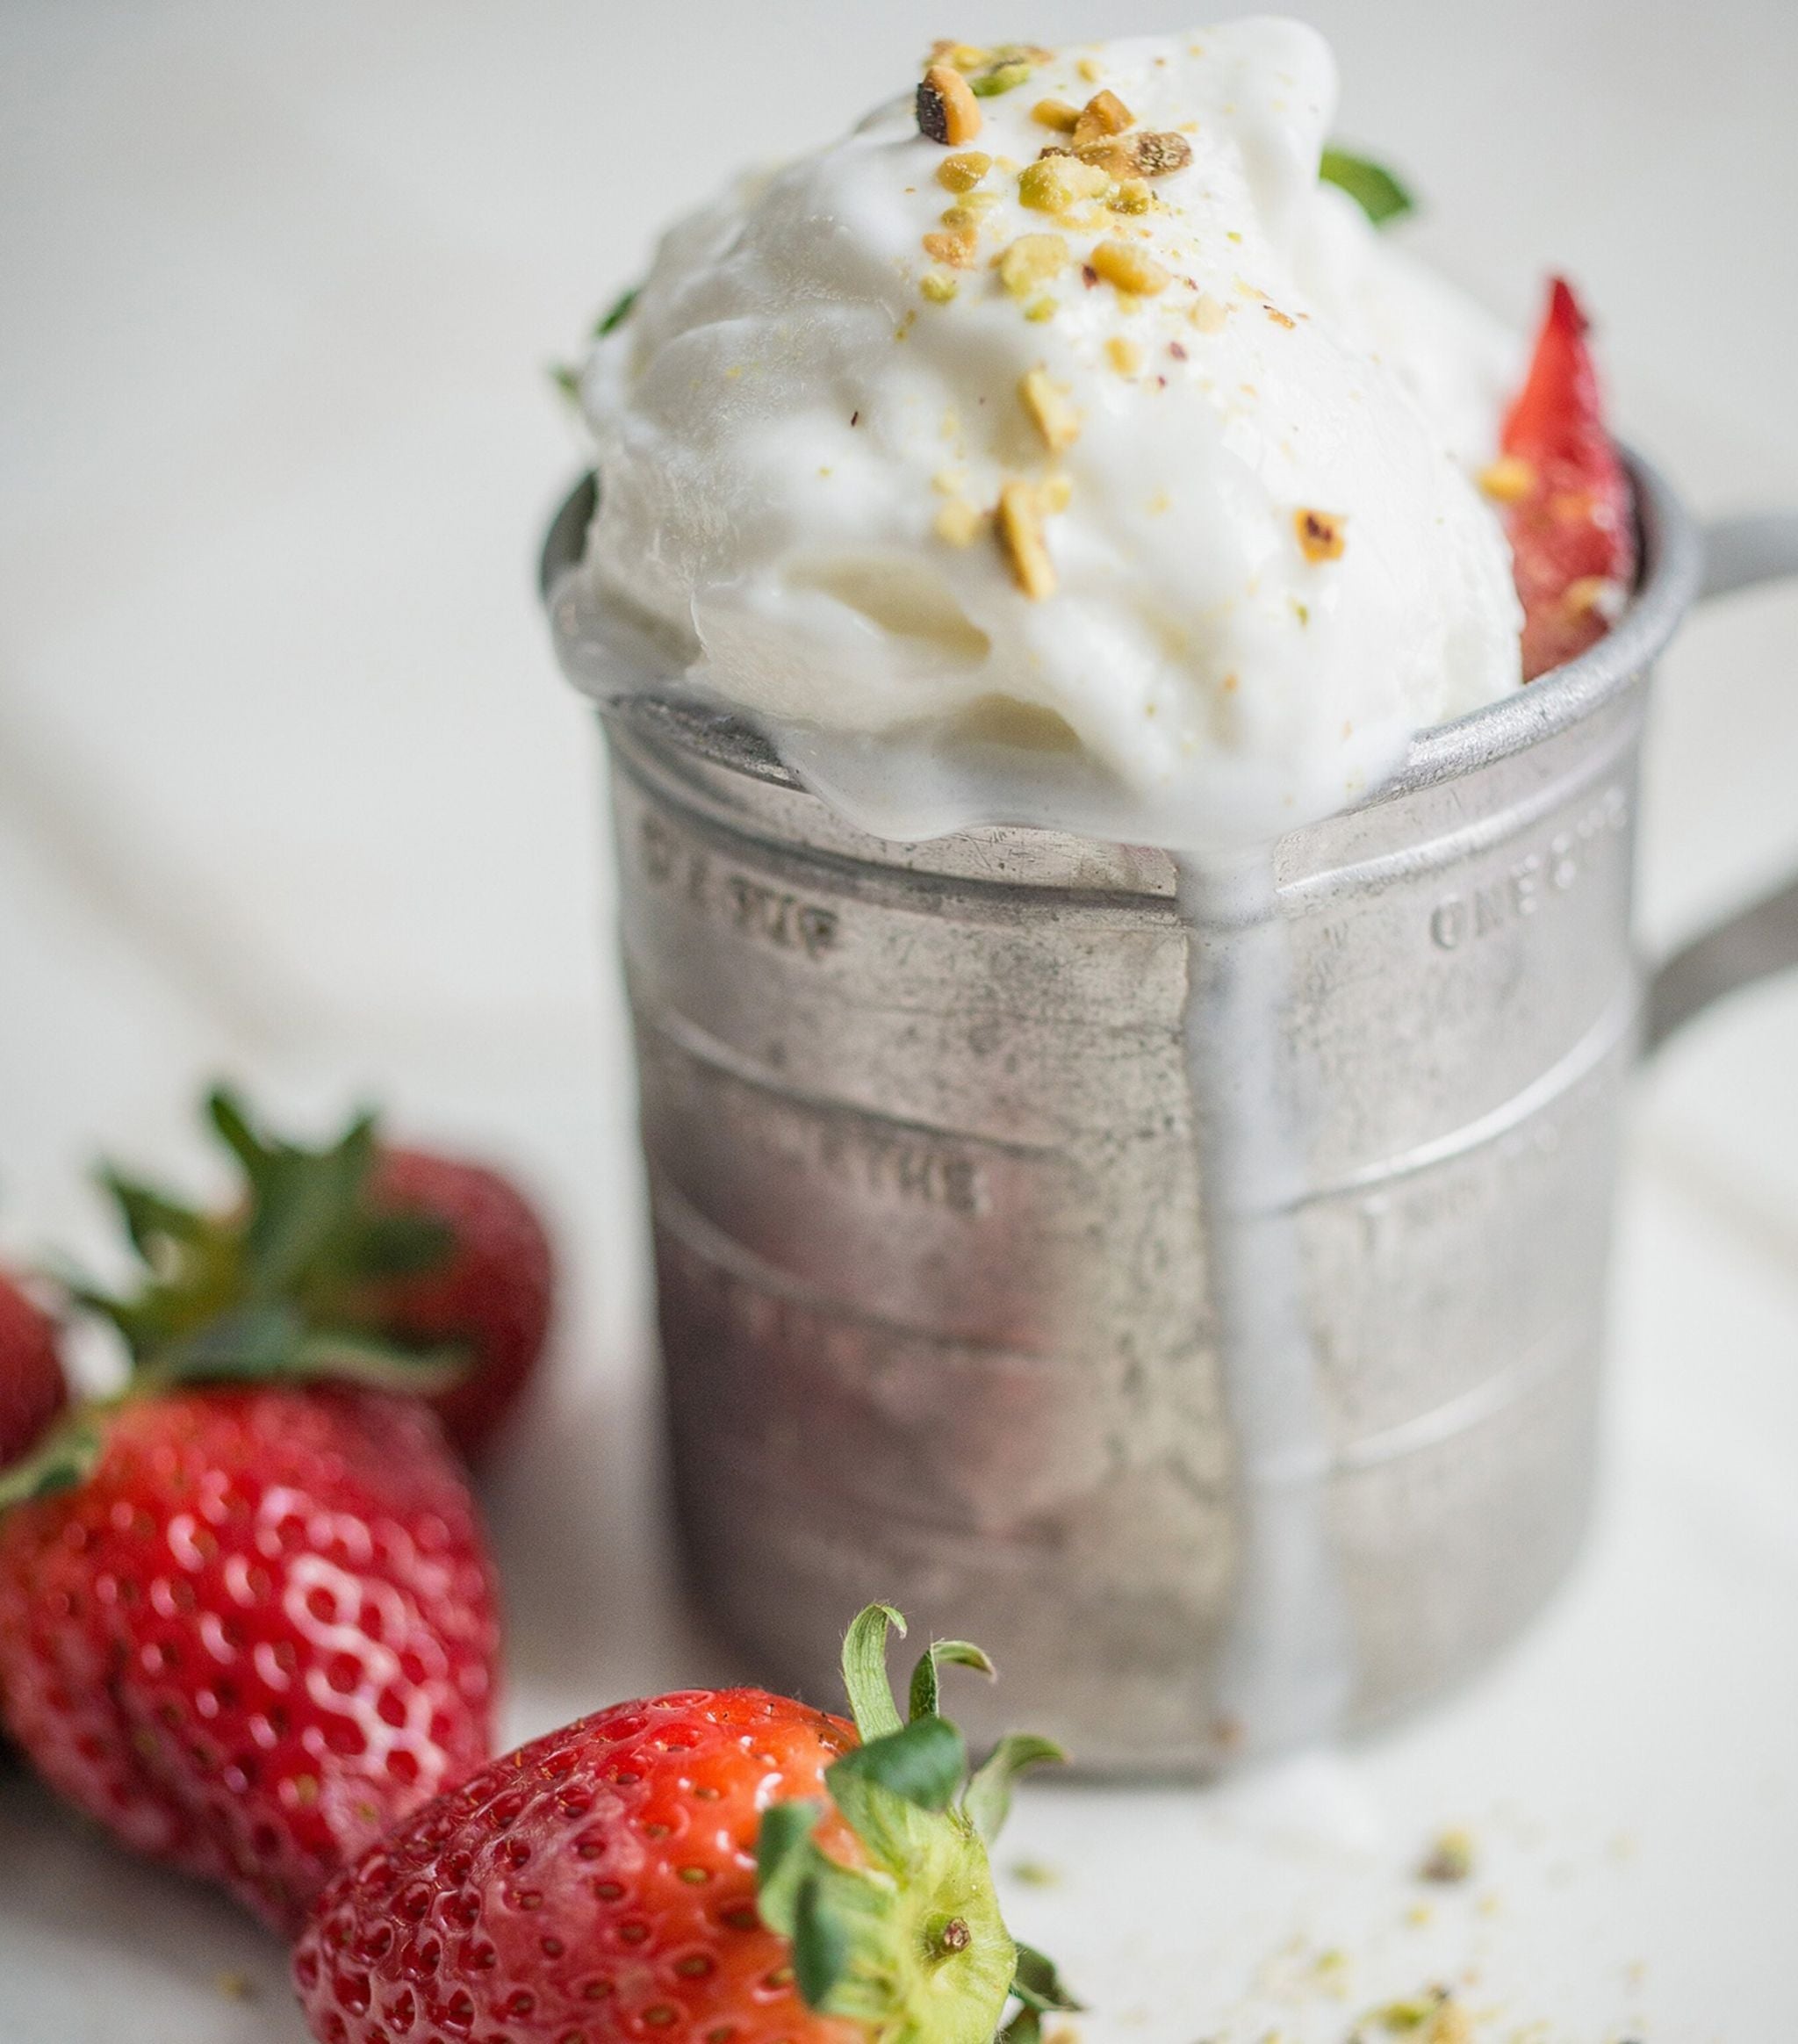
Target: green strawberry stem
273,1288
59,1461
910,1944
269,1291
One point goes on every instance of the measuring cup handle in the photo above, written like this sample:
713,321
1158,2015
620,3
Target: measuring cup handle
1763,939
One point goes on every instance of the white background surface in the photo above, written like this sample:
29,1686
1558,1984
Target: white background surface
287,786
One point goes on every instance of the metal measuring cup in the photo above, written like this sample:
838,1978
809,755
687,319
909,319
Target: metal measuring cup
936,1316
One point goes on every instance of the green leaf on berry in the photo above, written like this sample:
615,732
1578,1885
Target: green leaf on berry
276,1285
1038,1985
912,1943
1372,187
823,1944
926,1676
923,1763
784,1857
397,1245
349,1358
987,1802
58,1463
865,1678
1037,1989
610,322
151,1218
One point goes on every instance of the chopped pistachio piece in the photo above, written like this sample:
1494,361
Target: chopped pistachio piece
1031,260
1130,269
1018,522
1160,153
937,286
962,171
958,522
954,246
1000,78
1104,114
1057,114
1321,538
1053,183
946,110
1051,413
1150,155
1124,355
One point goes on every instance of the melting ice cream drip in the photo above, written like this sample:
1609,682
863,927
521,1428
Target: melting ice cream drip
1286,1674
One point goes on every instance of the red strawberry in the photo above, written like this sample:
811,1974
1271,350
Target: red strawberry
32,1387
255,1632
1569,512
491,1294
716,1866
389,1266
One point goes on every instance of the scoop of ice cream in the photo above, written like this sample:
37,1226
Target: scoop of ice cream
1083,443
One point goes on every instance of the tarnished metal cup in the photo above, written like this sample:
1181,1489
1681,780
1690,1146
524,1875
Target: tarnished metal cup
935,1307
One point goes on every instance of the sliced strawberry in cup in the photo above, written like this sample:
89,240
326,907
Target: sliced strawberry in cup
1567,496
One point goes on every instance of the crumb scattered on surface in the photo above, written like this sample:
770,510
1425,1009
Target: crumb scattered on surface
1434,2017
1451,1857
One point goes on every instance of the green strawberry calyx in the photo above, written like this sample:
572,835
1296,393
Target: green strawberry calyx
910,1944
278,1287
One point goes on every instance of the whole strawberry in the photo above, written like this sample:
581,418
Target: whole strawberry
33,1390
490,1294
391,1265
248,1629
715,1867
